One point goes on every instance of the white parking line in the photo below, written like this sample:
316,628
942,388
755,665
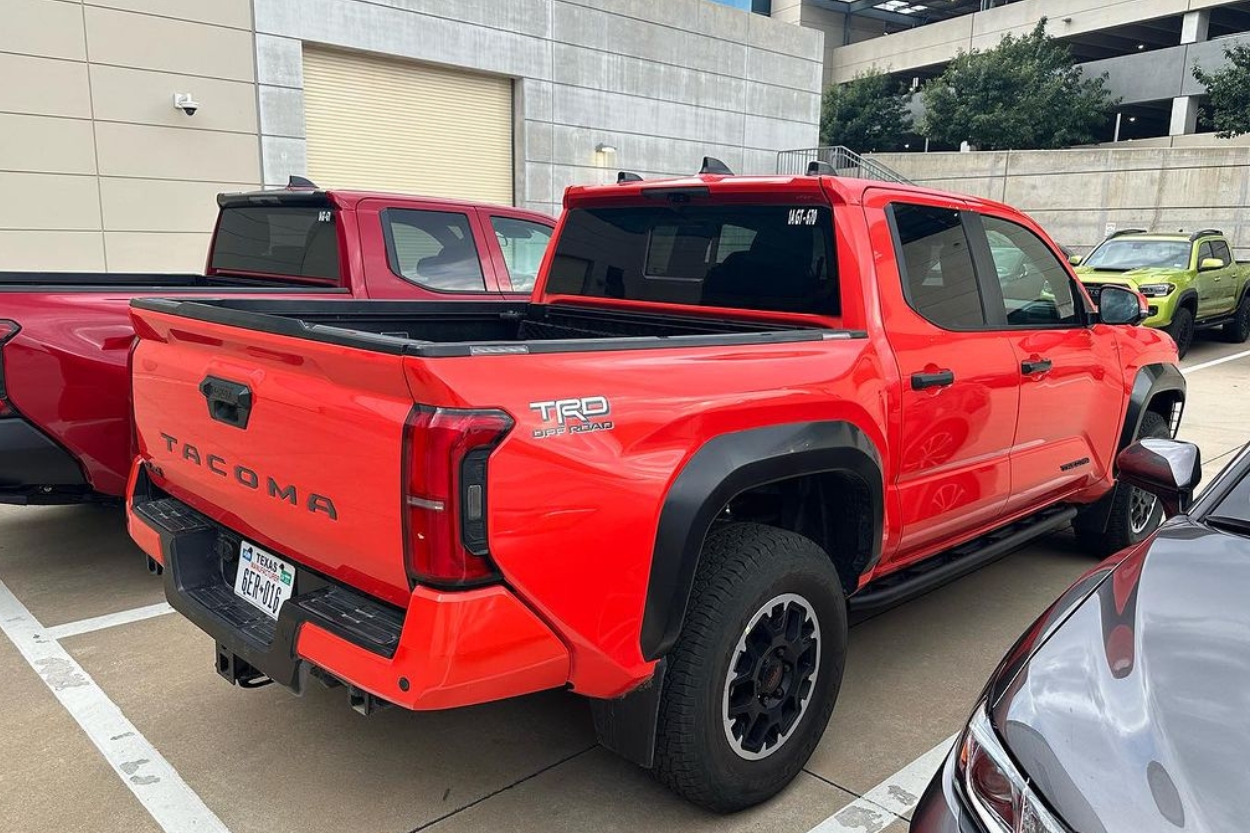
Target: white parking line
1223,360
109,620
889,801
157,785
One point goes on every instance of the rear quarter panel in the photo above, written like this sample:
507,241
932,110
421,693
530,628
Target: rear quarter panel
573,516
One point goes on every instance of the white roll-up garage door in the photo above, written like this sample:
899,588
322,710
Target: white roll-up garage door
396,125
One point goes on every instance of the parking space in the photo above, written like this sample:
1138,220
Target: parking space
265,761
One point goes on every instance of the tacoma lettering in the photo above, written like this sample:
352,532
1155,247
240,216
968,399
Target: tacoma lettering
249,479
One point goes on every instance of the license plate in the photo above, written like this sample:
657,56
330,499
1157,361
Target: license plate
264,580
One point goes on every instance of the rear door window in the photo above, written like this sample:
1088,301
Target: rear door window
1221,250
523,243
434,249
298,241
758,257
935,260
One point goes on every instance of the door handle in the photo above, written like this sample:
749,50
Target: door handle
228,402
1038,366
939,379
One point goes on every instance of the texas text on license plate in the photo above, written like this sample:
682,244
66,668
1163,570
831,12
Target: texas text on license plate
264,580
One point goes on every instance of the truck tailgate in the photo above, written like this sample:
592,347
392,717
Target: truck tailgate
293,443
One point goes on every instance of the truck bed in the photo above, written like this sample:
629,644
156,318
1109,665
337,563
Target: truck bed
434,330
150,282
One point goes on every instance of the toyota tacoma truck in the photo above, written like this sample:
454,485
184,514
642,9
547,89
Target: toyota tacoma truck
735,412
1192,281
65,338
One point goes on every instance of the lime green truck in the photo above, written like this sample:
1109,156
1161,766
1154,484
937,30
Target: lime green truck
1191,281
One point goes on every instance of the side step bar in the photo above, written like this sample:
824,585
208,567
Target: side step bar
940,569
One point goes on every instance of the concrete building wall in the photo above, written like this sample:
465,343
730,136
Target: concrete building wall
938,43
99,171
1074,194
97,168
663,83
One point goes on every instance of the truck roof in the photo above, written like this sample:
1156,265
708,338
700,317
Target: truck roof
1176,236
348,199
847,190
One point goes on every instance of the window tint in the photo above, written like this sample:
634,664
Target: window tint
1220,248
938,278
775,257
434,249
1037,291
278,240
523,243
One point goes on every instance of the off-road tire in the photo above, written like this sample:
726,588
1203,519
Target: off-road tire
743,567
1122,531
1238,330
1181,330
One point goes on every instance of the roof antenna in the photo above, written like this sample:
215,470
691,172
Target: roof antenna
818,168
300,182
712,165
627,176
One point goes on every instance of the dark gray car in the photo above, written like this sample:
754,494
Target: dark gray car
1126,706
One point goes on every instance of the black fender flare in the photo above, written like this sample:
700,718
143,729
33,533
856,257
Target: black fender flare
724,467
1151,381
1188,295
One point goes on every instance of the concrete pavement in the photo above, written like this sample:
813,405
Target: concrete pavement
266,761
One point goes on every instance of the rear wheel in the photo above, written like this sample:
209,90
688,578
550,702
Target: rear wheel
1182,330
1238,330
753,678
1135,513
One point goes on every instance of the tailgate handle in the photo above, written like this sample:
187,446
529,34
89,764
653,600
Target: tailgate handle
228,402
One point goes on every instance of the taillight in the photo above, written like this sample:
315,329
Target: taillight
446,452
8,329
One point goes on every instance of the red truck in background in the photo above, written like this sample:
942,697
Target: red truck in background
65,338
735,411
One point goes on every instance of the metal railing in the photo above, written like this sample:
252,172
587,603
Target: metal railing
843,161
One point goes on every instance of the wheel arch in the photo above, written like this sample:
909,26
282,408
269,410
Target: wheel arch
1156,387
1189,298
798,460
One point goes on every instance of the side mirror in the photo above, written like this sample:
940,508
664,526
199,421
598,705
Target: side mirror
1075,260
1168,469
1210,264
1121,305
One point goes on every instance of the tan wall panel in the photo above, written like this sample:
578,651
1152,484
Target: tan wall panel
451,137
160,205
155,252
146,42
40,27
44,86
172,153
45,144
46,251
146,97
236,13
49,201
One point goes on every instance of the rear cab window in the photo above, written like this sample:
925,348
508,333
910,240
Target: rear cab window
287,241
433,249
774,258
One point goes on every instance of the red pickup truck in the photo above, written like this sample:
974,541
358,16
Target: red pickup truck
65,338
736,411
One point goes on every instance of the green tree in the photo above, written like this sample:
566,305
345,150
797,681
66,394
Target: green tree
867,114
1229,90
1024,93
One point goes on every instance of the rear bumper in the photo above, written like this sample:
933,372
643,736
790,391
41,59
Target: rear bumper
447,649
34,469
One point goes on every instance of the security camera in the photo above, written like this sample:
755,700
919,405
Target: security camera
185,103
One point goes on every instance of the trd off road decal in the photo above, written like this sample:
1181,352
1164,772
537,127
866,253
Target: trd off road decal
572,416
